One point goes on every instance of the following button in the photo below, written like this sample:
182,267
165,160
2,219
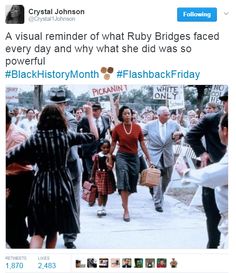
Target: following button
196,14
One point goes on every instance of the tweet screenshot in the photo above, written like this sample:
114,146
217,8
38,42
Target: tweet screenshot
115,151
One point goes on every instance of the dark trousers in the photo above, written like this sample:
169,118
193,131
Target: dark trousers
213,217
71,237
85,174
142,164
75,169
16,209
87,165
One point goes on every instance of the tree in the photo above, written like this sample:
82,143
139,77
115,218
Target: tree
82,99
201,92
200,95
26,99
69,94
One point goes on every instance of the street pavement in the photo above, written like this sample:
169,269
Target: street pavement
178,227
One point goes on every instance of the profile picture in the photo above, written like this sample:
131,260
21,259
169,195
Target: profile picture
150,263
138,263
126,262
15,14
173,263
115,262
91,263
79,264
161,262
103,262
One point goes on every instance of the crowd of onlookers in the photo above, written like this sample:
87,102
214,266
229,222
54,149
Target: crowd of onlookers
27,118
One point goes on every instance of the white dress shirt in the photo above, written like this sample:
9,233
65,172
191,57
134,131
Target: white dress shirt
99,123
214,176
162,129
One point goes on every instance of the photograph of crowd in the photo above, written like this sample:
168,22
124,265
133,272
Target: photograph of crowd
62,141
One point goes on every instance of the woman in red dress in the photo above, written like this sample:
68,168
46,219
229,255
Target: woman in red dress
127,134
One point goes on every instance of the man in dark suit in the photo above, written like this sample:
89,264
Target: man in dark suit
88,150
214,151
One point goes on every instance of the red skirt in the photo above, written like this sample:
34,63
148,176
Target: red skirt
105,182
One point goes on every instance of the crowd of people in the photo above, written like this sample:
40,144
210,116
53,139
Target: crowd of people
55,151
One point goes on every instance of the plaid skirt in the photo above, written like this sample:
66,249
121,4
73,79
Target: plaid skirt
105,182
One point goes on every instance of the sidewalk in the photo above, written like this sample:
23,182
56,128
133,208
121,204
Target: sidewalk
178,227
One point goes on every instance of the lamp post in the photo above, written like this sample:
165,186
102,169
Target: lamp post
38,97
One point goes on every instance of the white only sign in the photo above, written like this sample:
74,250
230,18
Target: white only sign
174,94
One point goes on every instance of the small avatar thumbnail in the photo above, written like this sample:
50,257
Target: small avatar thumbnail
103,262
92,263
161,262
149,262
115,262
138,262
127,263
79,264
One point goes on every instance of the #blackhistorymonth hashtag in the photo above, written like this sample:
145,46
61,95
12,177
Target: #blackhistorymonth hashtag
167,74
44,74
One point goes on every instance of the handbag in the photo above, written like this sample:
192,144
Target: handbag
150,177
89,192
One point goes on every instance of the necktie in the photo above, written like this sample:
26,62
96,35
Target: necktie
163,132
97,125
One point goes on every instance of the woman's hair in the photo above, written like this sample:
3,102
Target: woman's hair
103,141
224,121
8,117
30,109
212,105
21,17
52,117
191,112
121,110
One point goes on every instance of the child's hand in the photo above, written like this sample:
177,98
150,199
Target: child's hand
109,166
109,161
108,156
92,180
